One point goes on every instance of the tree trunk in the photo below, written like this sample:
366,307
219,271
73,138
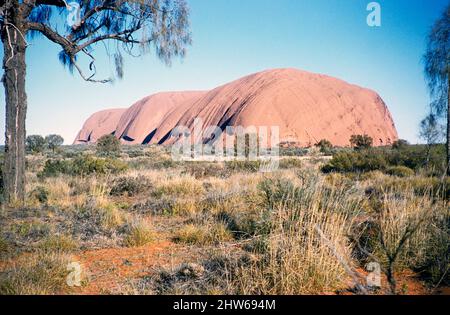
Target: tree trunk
14,66
448,123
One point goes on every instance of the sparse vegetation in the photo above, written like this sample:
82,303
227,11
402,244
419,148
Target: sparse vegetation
35,144
232,228
361,142
139,232
325,146
108,145
54,141
40,273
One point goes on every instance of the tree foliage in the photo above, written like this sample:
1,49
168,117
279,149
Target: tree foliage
325,146
35,144
108,145
430,130
437,73
361,141
81,28
120,26
400,144
54,141
437,62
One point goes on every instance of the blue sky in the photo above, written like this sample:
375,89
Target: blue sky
233,38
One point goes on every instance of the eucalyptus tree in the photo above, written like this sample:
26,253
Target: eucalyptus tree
119,26
437,72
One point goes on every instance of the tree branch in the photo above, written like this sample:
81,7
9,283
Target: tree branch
52,35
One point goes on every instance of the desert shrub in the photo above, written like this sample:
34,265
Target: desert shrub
35,144
296,255
407,231
55,167
129,186
208,234
360,142
417,158
138,233
4,246
421,186
103,215
41,273
82,165
431,158
202,169
156,162
190,234
182,186
276,190
361,161
290,163
400,171
243,166
59,243
400,144
135,153
108,145
40,194
325,146
292,150
87,164
31,230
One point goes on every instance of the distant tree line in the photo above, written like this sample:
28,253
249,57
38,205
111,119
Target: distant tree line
38,144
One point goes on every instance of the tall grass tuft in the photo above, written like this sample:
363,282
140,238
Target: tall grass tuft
297,259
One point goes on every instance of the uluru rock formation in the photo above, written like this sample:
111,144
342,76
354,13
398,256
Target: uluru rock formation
306,107
99,124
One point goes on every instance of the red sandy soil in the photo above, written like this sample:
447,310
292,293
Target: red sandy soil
108,269
408,283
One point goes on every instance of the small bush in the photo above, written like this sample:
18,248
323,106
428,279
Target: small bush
129,186
400,171
59,243
135,153
4,246
408,231
215,233
40,274
190,234
294,257
139,233
103,215
325,146
346,162
289,163
360,142
32,230
276,190
108,145
243,166
82,165
40,194
400,144
87,164
183,186
203,170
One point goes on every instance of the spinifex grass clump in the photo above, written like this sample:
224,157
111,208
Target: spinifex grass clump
297,259
406,230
